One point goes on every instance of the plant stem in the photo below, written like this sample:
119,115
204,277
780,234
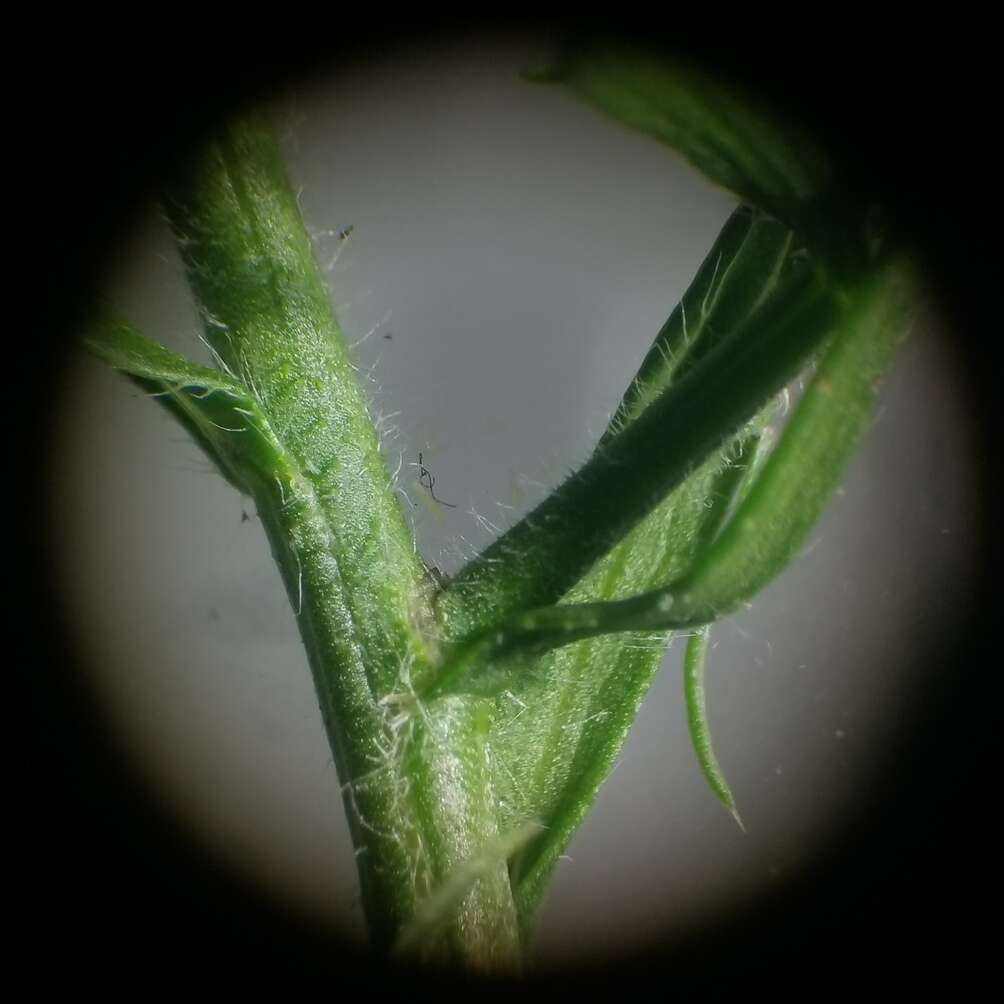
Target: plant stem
416,786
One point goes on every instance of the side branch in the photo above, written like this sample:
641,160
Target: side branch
770,523
535,562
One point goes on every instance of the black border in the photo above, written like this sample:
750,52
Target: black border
107,892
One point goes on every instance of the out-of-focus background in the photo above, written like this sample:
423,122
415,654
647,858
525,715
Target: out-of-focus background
511,256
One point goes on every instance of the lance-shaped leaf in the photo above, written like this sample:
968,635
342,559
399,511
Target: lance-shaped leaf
694,664
559,727
562,722
218,412
754,261
768,526
594,711
756,451
546,553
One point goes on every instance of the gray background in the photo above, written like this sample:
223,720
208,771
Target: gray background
521,251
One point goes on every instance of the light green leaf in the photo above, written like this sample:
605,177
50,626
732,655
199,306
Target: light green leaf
694,661
218,412
784,323
561,724
559,727
782,504
583,696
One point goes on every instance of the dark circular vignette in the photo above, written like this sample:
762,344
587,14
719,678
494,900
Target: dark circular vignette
110,890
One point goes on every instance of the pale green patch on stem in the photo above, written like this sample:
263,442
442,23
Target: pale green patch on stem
439,909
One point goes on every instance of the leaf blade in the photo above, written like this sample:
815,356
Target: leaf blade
222,417
552,760
541,557
782,504
694,666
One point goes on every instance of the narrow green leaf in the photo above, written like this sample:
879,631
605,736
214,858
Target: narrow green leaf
754,261
218,412
694,660
560,726
542,556
753,455
584,696
768,527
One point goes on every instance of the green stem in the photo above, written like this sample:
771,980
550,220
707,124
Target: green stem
415,787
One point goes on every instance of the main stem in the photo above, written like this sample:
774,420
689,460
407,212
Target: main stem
416,787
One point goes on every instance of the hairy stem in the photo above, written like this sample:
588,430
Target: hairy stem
415,786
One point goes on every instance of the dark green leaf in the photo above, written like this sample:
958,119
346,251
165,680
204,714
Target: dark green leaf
730,135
